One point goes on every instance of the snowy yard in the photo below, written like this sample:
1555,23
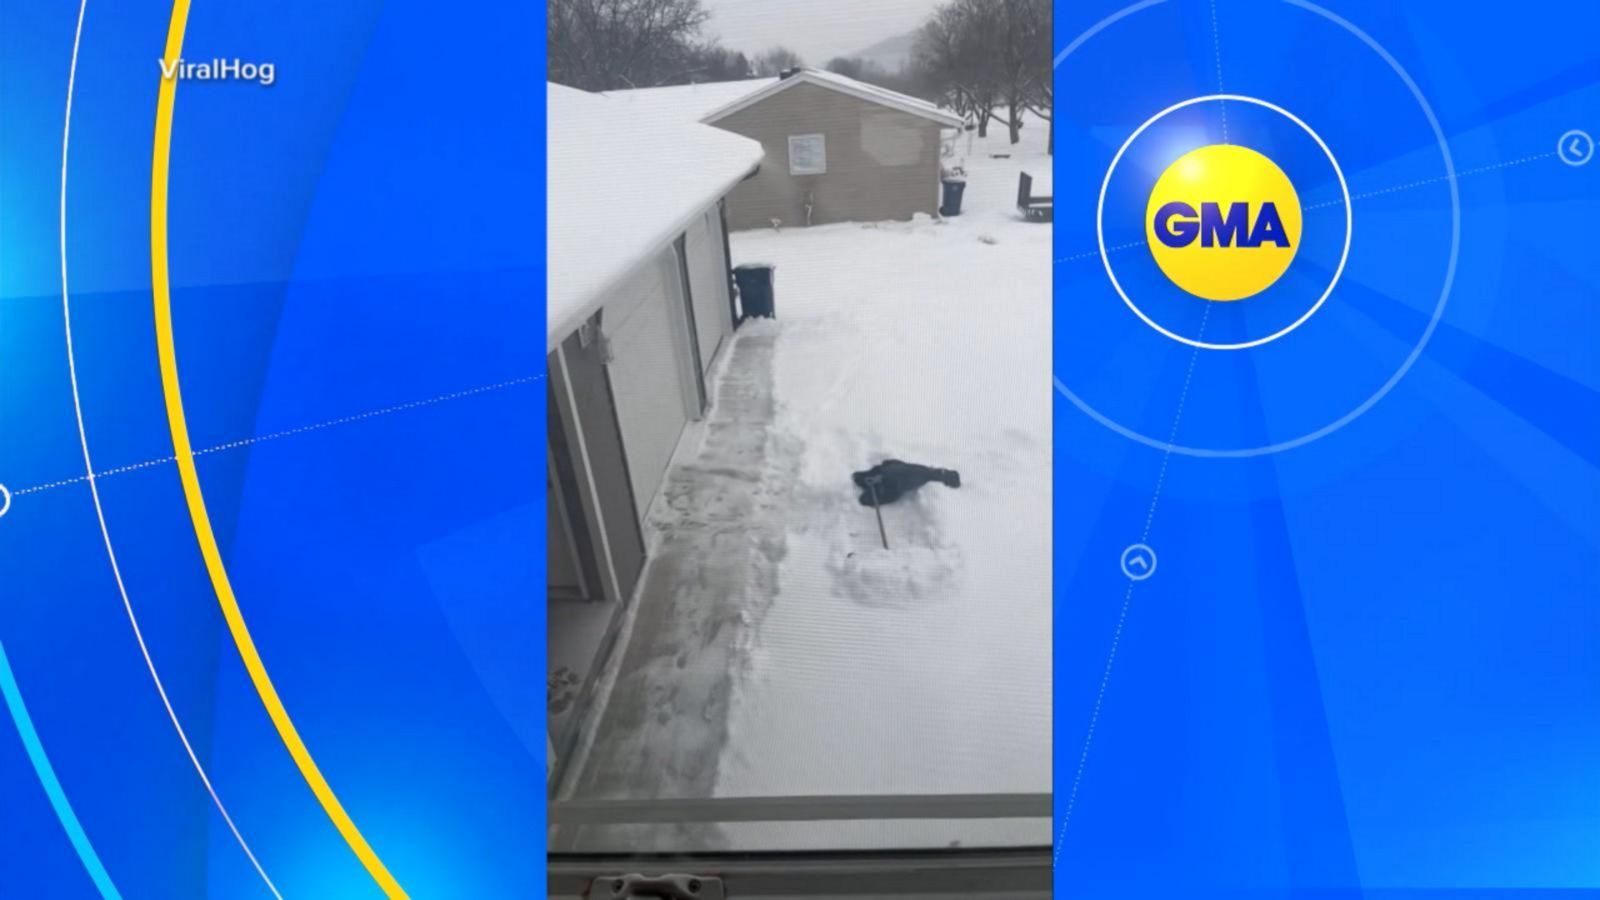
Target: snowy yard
777,648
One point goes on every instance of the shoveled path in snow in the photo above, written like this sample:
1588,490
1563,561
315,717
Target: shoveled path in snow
778,649
714,567
923,669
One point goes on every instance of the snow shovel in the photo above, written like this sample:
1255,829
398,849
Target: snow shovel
872,482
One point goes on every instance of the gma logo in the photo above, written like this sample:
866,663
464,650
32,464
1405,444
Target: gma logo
1234,245
1178,225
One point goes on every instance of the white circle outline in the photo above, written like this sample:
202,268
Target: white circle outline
5,501
1123,561
1100,224
1561,149
1438,309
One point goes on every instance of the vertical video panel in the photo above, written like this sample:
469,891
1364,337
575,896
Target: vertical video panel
799,414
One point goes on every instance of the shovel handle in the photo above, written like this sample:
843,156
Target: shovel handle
872,485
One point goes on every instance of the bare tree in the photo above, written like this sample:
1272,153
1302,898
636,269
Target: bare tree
599,45
776,61
1043,104
984,56
957,53
1025,68
713,62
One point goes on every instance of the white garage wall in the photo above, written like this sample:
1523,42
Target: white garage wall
647,330
708,283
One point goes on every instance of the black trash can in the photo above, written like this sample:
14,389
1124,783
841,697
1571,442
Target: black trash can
953,189
755,291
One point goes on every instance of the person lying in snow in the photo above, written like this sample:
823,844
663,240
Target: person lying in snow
893,479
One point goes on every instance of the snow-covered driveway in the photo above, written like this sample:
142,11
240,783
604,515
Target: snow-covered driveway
778,648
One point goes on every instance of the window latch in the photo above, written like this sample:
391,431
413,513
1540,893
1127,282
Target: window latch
665,887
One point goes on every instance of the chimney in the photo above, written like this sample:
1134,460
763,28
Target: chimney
792,70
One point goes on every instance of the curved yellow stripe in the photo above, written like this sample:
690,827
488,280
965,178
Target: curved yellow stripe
184,453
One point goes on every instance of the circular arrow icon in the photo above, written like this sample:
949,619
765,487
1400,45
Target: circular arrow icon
1575,148
1138,562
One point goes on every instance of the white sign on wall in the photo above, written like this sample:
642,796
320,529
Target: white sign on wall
808,154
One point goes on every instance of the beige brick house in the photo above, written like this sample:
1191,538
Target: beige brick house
837,149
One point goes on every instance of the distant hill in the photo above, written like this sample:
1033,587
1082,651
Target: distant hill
892,53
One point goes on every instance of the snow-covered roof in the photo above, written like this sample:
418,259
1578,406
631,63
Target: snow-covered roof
690,102
717,100
622,188
834,81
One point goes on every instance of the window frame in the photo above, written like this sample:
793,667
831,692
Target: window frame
822,154
955,873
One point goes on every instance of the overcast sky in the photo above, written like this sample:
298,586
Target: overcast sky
818,30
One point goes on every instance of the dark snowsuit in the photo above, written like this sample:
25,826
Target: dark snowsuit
895,479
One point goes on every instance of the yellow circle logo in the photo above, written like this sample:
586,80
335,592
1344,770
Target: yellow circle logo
1223,222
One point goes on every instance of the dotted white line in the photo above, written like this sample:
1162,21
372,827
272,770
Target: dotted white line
1216,43
1077,256
23,492
345,420
1177,417
276,435
1127,597
1435,180
136,466
1094,719
1327,203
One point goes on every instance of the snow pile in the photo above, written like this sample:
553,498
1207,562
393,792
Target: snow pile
621,190
924,668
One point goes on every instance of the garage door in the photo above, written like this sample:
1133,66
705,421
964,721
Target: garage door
645,326
708,284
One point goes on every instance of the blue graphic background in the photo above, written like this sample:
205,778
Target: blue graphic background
363,234
1368,666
